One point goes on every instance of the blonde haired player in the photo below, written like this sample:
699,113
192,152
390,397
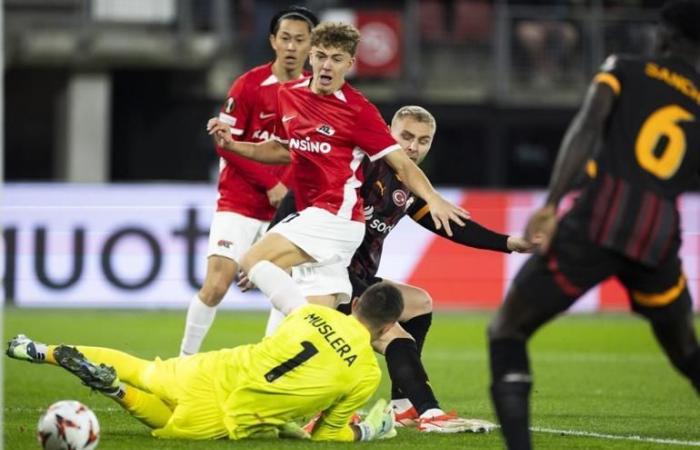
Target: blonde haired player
386,202
318,360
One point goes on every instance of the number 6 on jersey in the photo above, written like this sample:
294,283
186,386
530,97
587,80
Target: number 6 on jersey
662,123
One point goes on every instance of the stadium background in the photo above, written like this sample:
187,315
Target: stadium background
110,177
110,184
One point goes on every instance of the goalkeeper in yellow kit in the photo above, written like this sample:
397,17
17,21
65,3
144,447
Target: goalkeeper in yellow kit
318,360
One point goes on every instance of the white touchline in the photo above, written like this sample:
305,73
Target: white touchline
618,437
549,357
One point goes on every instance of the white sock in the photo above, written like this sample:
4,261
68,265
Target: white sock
199,319
433,412
277,285
41,351
401,404
274,321
119,393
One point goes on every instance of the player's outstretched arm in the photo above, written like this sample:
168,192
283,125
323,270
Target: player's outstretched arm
471,234
576,148
541,226
268,152
441,211
580,139
334,423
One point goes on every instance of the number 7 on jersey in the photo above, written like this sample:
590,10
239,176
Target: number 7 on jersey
308,351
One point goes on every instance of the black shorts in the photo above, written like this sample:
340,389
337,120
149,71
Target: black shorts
574,265
359,286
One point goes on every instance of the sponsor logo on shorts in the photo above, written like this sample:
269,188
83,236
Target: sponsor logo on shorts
224,243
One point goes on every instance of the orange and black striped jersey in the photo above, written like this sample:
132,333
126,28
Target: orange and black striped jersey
649,155
386,201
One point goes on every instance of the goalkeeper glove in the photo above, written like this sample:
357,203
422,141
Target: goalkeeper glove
379,423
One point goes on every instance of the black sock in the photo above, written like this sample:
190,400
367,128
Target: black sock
418,328
407,373
691,369
510,391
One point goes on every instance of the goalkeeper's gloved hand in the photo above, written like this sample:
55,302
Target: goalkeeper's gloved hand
379,423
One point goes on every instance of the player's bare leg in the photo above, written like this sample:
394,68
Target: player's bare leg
417,301
268,263
221,272
278,250
276,317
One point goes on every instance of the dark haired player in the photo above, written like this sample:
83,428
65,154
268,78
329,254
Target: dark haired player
318,360
248,191
645,112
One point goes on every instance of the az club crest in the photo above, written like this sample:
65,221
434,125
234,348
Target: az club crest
326,129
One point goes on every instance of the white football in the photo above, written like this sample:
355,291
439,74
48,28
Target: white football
68,425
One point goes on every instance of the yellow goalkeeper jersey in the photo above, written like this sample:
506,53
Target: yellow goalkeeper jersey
318,360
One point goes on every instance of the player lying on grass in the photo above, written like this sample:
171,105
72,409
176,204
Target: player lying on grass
318,360
386,201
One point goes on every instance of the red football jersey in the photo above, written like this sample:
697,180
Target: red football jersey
251,112
328,136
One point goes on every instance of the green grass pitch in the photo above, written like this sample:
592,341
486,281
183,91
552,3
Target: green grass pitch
601,375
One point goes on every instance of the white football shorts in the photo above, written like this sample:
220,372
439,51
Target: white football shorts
327,238
331,241
331,279
232,234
